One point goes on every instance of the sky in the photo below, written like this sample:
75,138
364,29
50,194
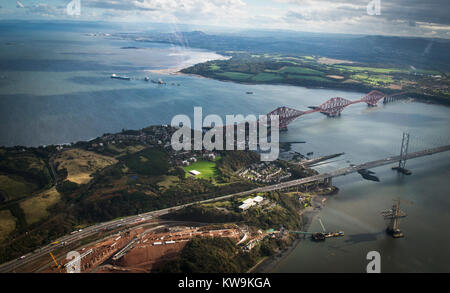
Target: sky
424,18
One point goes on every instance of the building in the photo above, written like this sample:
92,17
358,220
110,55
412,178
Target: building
211,156
245,206
194,172
249,202
258,199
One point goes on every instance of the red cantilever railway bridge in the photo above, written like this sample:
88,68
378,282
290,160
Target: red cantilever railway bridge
332,107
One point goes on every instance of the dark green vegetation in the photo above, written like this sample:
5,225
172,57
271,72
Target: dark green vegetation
148,162
314,71
22,172
220,255
282,210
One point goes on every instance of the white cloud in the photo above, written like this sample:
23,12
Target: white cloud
398,17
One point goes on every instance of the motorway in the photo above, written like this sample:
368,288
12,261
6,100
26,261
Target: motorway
114,224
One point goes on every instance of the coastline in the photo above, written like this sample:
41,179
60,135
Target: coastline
308,215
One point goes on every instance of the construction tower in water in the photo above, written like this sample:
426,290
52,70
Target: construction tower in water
393,215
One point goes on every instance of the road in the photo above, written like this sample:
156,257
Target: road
92,230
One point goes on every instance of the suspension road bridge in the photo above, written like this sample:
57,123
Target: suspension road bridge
333,107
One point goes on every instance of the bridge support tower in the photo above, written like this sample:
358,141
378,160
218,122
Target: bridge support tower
403,154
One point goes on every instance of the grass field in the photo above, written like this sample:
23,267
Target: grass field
371,69
308,77
299,70
266,77
375,80
206,168
235,75
16,187
80,164
214,67
35,208
7,223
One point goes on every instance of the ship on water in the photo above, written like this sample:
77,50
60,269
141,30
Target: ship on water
119,77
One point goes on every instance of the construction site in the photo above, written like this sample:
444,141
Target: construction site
138,250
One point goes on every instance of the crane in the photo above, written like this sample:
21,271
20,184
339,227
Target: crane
59,267
320,236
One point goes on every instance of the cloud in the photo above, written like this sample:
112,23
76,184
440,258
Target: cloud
402,17
117,5
398,17
179,10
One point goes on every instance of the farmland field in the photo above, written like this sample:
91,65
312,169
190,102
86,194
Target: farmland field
266,77
299,70
235,75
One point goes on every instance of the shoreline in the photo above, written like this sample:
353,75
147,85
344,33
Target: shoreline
308,215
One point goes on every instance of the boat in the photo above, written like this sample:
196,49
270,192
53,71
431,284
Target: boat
119,77
318,236
249,93
146,78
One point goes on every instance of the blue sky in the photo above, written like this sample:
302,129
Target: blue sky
427,18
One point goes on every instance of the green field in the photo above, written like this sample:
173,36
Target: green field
235,75
214,67
371,69
206,168
266,77
308,77
375,80
299,70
